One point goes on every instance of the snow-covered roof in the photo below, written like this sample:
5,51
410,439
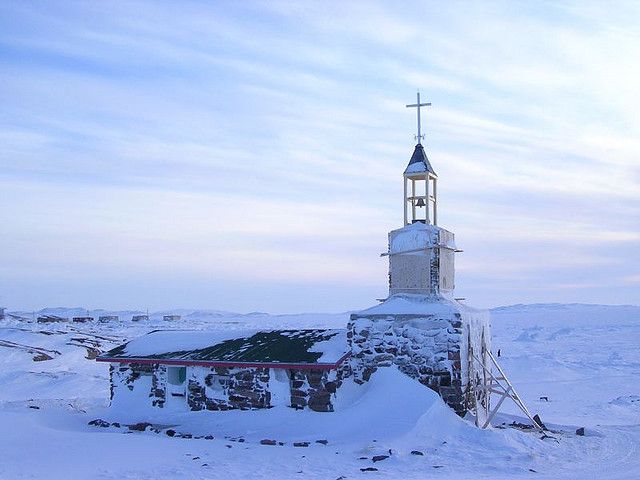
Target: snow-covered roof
413,304
320,348
419,162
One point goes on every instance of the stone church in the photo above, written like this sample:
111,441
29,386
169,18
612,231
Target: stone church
420,329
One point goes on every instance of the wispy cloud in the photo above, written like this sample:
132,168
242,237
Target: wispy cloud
262,142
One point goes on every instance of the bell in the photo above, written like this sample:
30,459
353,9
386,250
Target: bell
420,202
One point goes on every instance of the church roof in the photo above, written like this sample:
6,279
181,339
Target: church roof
419,162
309,348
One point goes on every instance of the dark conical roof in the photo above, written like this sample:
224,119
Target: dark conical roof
419,162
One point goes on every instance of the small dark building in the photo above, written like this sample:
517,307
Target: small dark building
82,319
51,319
198,370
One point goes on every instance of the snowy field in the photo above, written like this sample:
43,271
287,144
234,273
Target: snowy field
584,359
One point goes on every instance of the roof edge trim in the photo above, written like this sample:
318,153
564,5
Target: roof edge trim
230,364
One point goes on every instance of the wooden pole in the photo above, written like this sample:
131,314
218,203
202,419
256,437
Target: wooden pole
413,200
435,201
405,201
428,202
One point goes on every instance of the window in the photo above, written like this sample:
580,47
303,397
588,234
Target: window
176,375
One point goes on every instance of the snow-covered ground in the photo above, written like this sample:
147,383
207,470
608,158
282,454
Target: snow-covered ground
583,358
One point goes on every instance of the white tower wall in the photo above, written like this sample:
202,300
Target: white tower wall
421,260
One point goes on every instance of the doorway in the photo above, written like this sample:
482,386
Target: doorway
176,386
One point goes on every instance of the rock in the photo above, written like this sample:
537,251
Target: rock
92,353
208,437
323,442
416,452
379,458
185,435
300,444
35,407
42,357
139,427
369,469
170,433
267,441
98,422
116,424
580,432
521,426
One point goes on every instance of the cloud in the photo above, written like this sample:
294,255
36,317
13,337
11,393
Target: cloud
264,141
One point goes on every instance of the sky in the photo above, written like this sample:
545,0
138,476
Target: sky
248,156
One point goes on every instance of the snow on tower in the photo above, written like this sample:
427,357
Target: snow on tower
420,328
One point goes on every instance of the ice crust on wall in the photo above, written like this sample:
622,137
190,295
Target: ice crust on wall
428,339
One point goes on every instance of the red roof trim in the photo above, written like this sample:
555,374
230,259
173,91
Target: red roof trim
204,363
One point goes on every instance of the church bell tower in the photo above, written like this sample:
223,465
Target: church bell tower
420,182
421,254
420,329
420,189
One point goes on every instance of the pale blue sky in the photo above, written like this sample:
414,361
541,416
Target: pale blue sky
248,155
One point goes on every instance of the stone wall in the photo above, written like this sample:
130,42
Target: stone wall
314,389
132,382
112,369
227,388
429,347
159,386
214,388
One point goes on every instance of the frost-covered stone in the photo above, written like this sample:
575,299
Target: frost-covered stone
228,388
217,388
437,339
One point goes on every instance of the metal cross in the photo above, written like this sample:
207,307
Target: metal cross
418,105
